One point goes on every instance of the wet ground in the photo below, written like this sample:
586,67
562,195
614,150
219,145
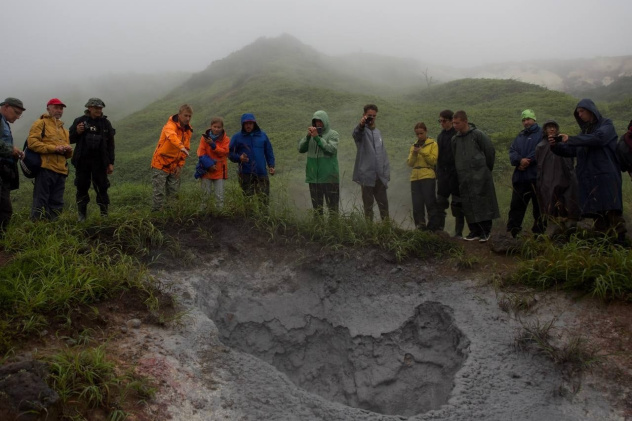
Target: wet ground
281,331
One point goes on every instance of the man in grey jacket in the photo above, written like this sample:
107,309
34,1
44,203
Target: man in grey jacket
372,169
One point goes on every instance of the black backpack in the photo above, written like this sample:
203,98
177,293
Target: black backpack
32,161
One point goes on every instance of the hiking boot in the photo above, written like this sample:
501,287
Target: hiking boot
472,237
484,238
104,210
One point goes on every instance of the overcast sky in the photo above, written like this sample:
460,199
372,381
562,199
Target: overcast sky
42,40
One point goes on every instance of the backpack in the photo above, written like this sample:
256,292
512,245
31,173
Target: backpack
32,161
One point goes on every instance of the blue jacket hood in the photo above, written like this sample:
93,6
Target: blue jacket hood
589,105
249,117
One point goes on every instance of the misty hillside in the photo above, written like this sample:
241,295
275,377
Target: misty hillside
122,93
283,82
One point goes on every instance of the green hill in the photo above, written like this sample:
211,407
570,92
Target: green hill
283,82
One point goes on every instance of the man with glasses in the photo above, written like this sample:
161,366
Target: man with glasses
49,138
10,110
372,169
447,180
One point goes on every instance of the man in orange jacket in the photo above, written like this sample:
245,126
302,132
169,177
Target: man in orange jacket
169,156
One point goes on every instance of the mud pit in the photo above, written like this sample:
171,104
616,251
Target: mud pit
277,331
405,372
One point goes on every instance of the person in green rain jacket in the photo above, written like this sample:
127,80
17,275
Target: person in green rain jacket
321,170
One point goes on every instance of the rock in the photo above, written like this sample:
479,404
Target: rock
134,323
24,394
504,244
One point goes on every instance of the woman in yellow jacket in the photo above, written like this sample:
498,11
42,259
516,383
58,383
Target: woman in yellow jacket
422,159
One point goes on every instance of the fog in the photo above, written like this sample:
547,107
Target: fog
45,42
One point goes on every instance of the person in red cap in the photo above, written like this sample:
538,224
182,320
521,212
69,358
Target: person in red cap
50,139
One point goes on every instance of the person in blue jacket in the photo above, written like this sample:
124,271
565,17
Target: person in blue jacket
598,172
525,175
252,150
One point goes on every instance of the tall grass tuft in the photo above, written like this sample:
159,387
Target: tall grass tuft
592,265
86,379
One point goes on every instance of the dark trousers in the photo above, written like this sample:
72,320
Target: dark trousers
375,193
456,206
48,195
325,192
6,208
521,195
95,174
480,228
425,201
252,185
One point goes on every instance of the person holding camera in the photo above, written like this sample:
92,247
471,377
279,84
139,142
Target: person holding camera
372,169
11,109
93,158
522,156
321,169
598,172
556,184
422,158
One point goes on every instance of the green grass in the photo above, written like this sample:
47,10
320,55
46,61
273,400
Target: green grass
592,265
85,379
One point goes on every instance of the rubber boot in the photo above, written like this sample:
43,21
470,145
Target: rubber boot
83,211
104,210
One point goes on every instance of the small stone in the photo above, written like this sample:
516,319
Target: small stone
123,329
134,323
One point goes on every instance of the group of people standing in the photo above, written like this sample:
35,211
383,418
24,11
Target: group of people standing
93,158
453,171
564,177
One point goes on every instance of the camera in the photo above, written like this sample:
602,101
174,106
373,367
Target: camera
419,144
368,120
558,138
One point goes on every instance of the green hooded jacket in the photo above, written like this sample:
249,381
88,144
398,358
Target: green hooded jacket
322,153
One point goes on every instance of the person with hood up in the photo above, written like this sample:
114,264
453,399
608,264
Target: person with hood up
93,158
598,172
556,184
474,156
321,169
522,156
372,170
214,145
170,155
252,150
422,158
50,139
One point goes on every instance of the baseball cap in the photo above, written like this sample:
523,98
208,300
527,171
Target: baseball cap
55,101
528,114
13,102
95,102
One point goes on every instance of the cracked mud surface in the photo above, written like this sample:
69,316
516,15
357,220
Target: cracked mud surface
277,330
